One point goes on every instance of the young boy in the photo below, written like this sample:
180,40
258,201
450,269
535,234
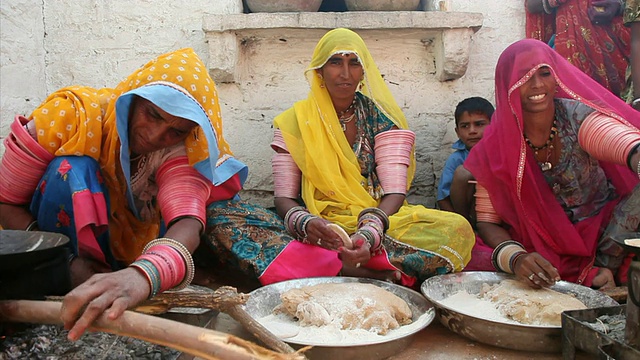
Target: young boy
472,115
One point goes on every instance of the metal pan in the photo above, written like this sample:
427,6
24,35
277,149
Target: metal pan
620,238
502,334
33,264
263,300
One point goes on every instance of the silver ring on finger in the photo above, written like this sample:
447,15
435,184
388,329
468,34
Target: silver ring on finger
531,276
319,241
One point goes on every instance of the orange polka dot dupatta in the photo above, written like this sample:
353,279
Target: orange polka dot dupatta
93,122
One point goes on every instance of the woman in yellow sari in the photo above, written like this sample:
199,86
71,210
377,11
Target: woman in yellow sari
127,174
346,153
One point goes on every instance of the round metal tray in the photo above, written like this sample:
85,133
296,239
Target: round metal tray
511,336
263,300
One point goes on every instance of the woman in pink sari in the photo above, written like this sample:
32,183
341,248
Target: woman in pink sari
557,172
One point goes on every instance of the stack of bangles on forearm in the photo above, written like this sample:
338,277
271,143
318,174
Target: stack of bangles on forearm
167,264
372,224
506,254
296,221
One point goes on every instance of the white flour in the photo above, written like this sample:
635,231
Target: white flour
287,329
472,305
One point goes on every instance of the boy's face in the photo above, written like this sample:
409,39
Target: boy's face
471,127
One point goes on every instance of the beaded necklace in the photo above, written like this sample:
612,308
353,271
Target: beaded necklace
546,165
346,119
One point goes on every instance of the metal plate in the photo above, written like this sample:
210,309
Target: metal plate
17,241
502,334
620,238
263,300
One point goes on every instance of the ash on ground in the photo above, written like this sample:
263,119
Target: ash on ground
611,325
49,342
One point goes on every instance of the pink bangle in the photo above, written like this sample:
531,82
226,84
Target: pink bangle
286,176
182,191
393,150
484,208
607,139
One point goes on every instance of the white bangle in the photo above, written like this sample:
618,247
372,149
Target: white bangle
635,101
32,226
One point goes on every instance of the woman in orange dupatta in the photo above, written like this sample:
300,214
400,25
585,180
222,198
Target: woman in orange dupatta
115,169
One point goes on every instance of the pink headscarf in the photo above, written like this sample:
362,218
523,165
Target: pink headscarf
504,164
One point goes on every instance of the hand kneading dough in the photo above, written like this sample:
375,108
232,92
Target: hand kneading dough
347,305
517,301
346,240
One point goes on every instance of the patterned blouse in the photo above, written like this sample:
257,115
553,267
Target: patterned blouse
578,182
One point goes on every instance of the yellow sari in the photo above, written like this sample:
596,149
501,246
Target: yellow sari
332,184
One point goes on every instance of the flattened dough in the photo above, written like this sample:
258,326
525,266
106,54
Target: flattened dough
633,242
517,301
347,305
346,240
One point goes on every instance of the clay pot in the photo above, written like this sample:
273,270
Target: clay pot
271,6
382,5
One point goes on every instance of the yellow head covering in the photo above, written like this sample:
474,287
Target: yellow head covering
331,183
82,121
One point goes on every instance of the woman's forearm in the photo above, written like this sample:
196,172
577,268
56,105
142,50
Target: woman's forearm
186,231
391,203
14,217
492,234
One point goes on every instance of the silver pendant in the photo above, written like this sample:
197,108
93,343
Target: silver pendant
546,166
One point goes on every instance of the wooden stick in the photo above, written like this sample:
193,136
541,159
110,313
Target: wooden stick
618,293
223,297
204,343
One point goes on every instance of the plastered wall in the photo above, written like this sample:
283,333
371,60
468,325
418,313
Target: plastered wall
46,45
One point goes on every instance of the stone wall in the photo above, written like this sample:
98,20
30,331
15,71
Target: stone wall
51,44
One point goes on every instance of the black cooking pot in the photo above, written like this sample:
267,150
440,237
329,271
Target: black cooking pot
33,264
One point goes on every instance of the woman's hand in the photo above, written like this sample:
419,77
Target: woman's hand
535,270
319,234
109,294
82,269
602,12
603,280
361,253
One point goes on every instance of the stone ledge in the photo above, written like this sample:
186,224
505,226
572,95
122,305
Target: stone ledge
450,32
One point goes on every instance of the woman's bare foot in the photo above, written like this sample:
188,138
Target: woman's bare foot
362,272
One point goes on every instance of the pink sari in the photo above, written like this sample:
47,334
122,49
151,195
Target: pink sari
503,163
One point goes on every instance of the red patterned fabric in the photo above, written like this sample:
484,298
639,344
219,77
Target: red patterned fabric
600,51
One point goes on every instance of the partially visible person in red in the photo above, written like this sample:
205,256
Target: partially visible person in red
589,34
632,21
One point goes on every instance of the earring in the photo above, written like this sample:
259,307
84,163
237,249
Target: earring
321,80
361,85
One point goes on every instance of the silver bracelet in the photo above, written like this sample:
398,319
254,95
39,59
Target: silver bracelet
32,226
635,101
186,256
